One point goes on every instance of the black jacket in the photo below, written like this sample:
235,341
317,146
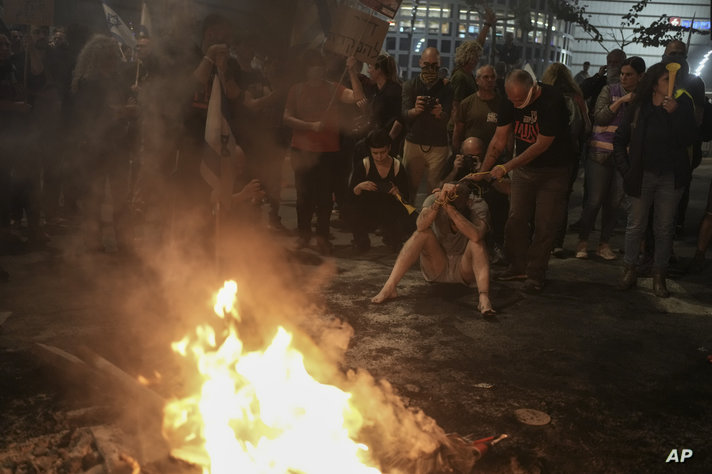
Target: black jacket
681,132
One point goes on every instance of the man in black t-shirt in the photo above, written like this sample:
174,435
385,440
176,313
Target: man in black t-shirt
537,116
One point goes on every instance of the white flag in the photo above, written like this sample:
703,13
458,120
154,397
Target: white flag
145,28
118,28
219,168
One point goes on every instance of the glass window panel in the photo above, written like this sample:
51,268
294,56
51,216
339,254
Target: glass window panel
403,60
390,44
415,61
403,44
419,24
445,46
432,43
445,28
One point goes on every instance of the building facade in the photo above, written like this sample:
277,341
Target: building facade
446,24
607,17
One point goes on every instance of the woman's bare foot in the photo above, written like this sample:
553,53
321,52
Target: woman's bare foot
384,295
485,306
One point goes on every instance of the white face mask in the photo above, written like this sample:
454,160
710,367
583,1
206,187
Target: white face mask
529,97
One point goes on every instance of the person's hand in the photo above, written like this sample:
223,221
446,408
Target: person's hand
459,161
219,54
419,105
602,70
628,97
448,190
669,104
490,17
437,110
253,191
351,63
317,126
498,172
365,186
394,190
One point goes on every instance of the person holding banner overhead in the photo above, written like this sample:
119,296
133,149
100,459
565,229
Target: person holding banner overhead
311,114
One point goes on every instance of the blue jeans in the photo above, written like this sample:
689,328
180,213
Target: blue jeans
605,192
657,192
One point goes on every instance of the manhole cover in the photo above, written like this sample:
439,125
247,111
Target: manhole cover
532,417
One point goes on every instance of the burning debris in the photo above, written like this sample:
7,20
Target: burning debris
283,408
262,411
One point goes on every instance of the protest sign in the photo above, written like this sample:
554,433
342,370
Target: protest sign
355,33
29,12
388,8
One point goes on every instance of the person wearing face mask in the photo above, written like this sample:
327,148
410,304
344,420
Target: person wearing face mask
537,115
427,103
608,74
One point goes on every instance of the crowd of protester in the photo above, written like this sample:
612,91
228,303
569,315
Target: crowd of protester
463,170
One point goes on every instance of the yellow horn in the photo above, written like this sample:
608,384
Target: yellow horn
672,68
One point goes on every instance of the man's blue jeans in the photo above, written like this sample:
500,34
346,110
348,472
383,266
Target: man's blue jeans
658,193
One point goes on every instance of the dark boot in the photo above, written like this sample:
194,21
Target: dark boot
629,279
659,286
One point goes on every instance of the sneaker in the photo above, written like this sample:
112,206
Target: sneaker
277,226
532,287
559,252
511,275
582,250
605,252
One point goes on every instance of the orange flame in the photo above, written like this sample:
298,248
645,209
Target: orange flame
261,412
